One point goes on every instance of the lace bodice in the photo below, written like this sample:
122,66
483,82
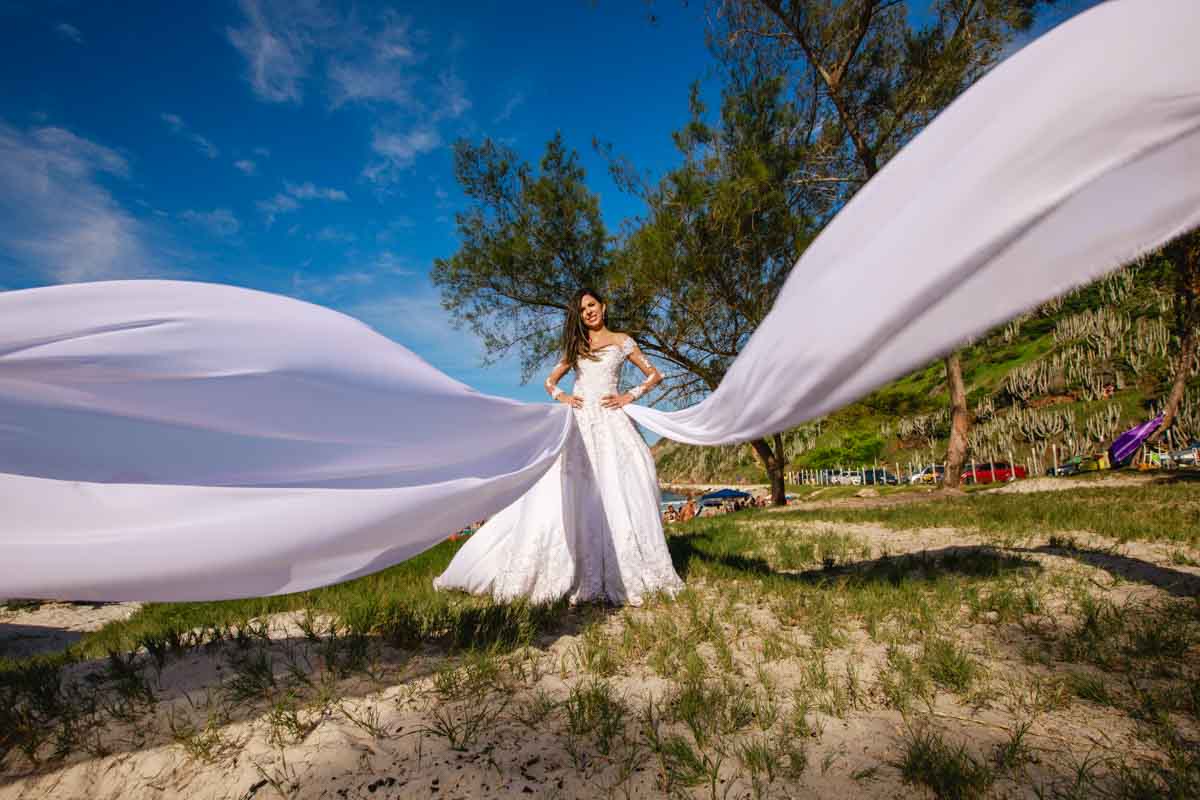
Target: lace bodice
600,376
594,379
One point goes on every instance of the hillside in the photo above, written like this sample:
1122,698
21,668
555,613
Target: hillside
1072,374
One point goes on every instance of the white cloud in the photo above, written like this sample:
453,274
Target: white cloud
279,204
452,93
397,152
512,105
376,68
56,217
388,263
247,166
69,32
289,200
204,145
219,222
363,82
177,126
277,41
307,191
353,279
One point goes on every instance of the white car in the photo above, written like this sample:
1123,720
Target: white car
929,475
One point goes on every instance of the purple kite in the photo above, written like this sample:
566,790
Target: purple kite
1125,445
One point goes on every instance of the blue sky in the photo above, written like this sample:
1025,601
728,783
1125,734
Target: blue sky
303,147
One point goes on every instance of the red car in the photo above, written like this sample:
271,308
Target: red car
988,472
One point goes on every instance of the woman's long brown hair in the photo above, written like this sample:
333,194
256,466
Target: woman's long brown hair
575,343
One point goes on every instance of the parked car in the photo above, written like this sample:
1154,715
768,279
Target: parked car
1186,457
991,472
1064,469
879,477
844,477
934,474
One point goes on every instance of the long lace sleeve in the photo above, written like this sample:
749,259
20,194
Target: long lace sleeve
555,376
653,378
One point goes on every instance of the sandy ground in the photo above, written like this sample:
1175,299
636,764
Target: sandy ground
376,740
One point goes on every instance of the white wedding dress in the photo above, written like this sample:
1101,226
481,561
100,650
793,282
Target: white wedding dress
590,528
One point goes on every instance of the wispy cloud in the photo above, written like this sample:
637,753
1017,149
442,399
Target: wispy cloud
219,222
57,219
361,274
452,94
284,42
279,204
510,106
246,166
69,32
289,200
307,191
278,40
178,127
396,152
368,58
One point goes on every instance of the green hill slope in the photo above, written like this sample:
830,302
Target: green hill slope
1071,375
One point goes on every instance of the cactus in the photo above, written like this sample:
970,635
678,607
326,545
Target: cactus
1103,425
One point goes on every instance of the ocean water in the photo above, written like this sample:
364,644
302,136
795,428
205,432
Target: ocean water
670,499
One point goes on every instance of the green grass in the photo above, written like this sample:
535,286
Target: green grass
1157,512
399,604
949,771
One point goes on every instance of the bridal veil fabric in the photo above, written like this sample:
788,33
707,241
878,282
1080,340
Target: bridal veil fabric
173,440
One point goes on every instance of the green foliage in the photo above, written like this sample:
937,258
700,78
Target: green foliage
856,447
529,240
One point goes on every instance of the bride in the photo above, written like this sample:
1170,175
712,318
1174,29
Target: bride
589,530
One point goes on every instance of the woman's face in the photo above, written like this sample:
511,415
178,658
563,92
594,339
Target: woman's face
592,312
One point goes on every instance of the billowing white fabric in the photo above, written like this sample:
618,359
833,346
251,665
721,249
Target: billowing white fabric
185,440
168,440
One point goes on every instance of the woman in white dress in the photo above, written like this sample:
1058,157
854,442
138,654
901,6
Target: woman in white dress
590,529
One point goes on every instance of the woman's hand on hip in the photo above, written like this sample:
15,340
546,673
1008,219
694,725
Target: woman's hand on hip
571,400
615,401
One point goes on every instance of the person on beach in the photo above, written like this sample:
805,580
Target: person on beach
590,529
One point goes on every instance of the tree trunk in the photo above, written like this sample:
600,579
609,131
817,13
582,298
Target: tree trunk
1182,366
960,421
773,461
1185,253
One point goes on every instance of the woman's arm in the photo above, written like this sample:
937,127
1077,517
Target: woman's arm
558,394
653,378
